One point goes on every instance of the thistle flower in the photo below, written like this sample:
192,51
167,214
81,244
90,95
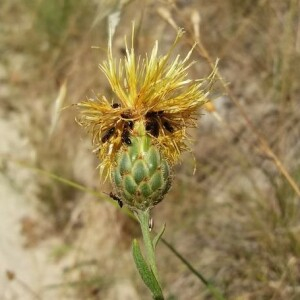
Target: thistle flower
140,135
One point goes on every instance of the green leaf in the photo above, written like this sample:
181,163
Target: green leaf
158,236
145,272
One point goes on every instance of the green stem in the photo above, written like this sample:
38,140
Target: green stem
143,218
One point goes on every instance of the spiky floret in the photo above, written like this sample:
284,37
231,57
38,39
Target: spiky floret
150,89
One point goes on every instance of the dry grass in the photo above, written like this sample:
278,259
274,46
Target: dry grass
237,218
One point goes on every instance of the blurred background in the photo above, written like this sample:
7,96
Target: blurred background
236,220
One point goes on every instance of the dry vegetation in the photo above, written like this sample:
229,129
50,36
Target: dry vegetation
236,220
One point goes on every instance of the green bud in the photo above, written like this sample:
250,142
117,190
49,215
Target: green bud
141,176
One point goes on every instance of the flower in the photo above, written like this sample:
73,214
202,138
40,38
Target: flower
153,91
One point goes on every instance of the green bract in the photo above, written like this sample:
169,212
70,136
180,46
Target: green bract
141,176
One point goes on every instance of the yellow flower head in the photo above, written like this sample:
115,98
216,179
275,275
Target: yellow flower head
153,91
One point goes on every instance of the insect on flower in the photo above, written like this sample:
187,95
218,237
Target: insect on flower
156,120
141,137
116,198
108,135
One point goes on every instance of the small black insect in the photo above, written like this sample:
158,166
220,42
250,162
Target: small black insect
152,127
115,105
168,126
125,136
126,132
152,123
151,114
154,119
116,198
109,133
130,124
126,115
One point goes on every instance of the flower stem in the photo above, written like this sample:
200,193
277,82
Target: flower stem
143,218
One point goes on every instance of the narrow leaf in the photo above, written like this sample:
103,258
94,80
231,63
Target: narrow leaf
158,236
145,272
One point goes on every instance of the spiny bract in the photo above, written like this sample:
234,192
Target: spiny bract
142,175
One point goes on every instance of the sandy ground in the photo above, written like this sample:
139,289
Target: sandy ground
24,272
